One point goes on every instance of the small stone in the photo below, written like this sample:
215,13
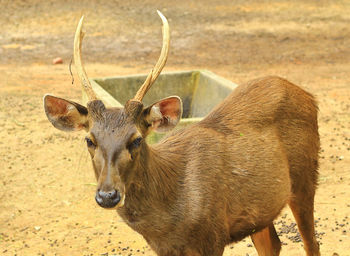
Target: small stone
57,60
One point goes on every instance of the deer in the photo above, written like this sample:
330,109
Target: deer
209,184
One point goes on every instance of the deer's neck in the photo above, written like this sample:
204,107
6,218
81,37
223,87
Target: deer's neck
163,168
155,183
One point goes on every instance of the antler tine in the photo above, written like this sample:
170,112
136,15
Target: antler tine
152,76
78,62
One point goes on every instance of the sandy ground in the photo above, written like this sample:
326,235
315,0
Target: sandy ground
47,187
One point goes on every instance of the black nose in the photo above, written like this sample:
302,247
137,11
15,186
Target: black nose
107,199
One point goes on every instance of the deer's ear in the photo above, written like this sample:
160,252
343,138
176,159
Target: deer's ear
66,115
164,115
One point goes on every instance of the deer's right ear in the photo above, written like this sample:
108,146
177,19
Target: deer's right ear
66,115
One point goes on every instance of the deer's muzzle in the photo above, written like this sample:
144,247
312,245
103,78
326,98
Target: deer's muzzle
108,199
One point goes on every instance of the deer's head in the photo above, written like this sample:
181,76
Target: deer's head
115,136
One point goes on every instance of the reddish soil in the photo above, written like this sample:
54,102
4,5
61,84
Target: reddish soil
47,187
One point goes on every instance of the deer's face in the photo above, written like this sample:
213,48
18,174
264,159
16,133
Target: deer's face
113,142
115,137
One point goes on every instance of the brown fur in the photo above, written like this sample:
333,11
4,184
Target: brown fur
229,175
220,180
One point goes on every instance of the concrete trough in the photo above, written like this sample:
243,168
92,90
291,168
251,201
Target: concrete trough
200,91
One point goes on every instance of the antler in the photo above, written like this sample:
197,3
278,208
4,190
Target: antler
152,76
78,62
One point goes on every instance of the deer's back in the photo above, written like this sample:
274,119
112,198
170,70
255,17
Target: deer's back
272,105
263,102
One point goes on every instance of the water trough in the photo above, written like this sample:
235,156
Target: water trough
200,91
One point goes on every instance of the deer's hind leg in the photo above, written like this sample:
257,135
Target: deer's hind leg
302,206
304,181
266,241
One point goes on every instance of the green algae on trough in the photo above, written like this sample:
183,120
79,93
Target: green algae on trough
199,90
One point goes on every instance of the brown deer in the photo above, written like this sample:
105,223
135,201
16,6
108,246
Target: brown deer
212,183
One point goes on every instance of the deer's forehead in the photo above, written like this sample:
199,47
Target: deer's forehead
104,129
113,128
108,118
111,124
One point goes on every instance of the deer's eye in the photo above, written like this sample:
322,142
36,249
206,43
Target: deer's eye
89,142
135,143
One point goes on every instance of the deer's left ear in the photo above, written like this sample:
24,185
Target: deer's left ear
66,115
164,115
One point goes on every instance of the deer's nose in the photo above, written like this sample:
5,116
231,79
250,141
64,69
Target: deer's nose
107,199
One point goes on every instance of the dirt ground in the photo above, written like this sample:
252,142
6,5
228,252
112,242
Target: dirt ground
47,204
